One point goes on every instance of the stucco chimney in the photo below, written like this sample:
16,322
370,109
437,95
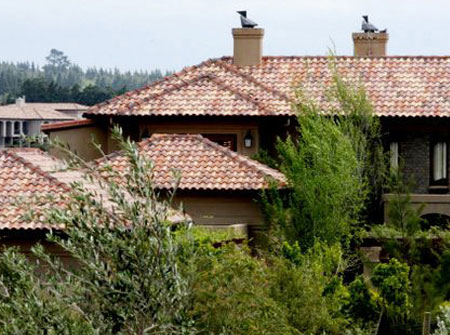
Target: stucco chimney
370,44
20,101
248,46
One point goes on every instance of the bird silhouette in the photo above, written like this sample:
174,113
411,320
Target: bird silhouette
246,23
368,27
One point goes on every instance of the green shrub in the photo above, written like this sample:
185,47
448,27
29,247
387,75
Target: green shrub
335,167
311,289
394,287
443,321
324,197
231,295
30,306
294,293
362,304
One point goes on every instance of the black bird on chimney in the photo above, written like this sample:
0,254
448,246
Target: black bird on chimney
368,27
246,23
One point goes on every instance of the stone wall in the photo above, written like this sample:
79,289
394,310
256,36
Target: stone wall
414,152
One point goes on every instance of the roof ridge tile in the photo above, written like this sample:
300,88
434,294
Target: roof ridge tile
233,68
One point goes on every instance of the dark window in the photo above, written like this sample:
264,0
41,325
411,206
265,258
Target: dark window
225,140
25,128
8,128
17,128
435,220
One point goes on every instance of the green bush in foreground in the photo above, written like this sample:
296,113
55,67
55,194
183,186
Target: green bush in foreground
293,293
30,306
335,168
231,295
392,282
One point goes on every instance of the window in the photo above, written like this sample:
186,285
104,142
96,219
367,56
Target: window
8,128
25,128
225,140
393,154
439,163
17,128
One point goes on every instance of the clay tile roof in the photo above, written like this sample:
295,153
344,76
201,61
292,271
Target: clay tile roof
40,111
25,185
32,181
203,165
67,124
417,86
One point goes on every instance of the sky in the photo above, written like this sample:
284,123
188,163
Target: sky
171,34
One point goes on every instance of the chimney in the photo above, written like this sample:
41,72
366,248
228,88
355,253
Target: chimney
20,102
248,42
371,42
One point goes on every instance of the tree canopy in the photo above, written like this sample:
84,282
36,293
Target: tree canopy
60,80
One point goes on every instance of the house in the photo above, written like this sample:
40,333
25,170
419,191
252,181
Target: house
218,186
244,102
25,119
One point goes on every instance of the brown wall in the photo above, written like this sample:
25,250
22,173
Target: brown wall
222,208
25,239
80,141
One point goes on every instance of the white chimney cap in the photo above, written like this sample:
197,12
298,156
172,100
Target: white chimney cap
20,101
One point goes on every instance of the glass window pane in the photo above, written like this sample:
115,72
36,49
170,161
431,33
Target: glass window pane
440,161
394,155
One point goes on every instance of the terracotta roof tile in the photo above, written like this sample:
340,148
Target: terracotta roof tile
32,181
211,88
397,86
40,111
203,165
24,186
67,124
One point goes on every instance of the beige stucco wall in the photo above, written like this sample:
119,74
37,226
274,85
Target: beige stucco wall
222,210
247,46
369,44
80,141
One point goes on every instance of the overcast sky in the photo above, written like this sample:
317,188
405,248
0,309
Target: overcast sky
171,34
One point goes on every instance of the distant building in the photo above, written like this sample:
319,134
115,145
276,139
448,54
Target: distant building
23,118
